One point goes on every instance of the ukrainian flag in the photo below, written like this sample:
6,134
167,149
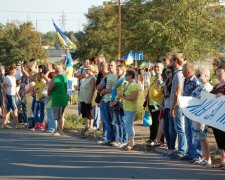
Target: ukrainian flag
128,58
63,39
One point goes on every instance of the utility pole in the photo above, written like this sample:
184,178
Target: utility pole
119,30
63,21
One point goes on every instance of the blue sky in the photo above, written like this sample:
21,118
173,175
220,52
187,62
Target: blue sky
42,11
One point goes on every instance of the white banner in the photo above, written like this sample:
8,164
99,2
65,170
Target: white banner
209,109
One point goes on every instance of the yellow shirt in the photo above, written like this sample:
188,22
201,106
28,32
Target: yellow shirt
119,90
40,85
155,92
128,105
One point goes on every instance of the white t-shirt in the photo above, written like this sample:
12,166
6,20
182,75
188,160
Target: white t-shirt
28,86
19,74
10,82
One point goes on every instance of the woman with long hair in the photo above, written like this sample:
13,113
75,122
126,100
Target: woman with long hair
219,90
9,95
168,125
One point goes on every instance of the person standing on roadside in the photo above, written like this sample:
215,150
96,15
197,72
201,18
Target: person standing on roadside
105,108
57,90
155,93
87,90
175,110
130,96
9,95
219,91
80,75
52,124
190,84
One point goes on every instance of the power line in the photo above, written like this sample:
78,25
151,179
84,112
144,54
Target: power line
39,12
63,20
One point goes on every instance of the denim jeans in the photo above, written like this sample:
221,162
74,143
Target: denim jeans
107,116
52,126
179,124
169,129
119,128
194,145
39,106
129,122
97,116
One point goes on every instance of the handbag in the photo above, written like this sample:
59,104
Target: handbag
98,98
147,119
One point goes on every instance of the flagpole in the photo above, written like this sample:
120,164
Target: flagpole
119,30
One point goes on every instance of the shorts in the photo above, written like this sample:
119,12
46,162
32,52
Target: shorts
200,134
86,110
11,103
58,112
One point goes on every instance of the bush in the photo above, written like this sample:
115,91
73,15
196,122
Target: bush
74,99
73,121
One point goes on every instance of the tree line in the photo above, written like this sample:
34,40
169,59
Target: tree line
152,26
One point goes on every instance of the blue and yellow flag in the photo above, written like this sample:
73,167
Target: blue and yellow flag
63,39
128,58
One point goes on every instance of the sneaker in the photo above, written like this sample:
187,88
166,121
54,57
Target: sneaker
195,160
116,144
42,129
185,158
122,145
177,156
206,163
100,141
103,142
150,143
49,131
56,134
5,126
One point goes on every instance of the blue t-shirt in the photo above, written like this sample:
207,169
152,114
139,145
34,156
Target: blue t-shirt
69,60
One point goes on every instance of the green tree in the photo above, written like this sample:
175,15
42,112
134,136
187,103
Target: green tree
100,33
193,27
20,43
155,27
50,39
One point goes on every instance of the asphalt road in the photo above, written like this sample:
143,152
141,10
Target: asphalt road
32,155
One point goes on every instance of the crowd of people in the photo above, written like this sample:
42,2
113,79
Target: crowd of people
108,95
